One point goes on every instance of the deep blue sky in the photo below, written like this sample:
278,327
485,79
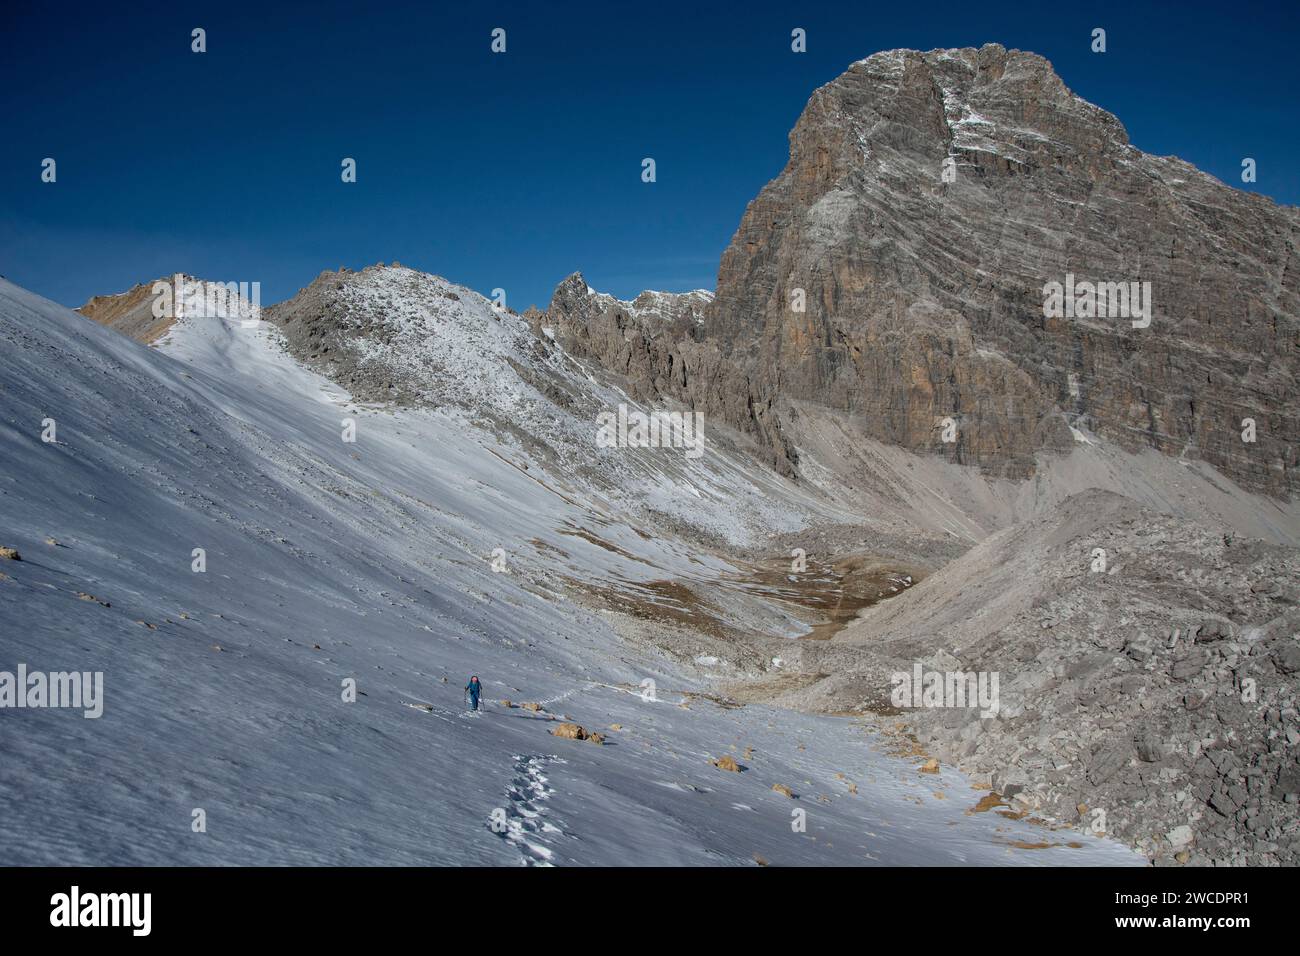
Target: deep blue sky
514,170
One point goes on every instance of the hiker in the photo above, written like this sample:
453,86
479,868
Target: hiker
473,689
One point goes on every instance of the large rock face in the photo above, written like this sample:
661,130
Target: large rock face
658,344
922,293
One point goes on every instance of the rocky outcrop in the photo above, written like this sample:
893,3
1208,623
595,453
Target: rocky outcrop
146,312
133,312
896,270
130,313
657,346
672,312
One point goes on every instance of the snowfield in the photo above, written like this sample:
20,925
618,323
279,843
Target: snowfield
329,562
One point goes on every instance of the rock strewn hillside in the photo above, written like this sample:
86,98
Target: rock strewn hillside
1161,689
394,334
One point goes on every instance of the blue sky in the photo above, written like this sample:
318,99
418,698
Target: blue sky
514,170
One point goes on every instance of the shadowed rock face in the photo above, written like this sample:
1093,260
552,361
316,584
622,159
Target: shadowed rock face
924,298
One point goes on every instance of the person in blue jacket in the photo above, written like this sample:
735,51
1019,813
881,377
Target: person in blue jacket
473,689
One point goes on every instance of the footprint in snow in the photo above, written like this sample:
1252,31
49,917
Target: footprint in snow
525,825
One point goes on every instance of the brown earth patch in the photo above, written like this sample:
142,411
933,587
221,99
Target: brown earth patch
658,601
576,532
987,803
837,590
544,548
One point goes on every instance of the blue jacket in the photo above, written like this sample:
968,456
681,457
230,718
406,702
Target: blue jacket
474,688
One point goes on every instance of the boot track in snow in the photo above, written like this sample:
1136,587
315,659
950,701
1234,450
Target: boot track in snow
525,825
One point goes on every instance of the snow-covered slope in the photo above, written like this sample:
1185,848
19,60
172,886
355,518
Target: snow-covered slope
396,336
329,561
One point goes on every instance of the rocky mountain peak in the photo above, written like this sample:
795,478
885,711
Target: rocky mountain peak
898,270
